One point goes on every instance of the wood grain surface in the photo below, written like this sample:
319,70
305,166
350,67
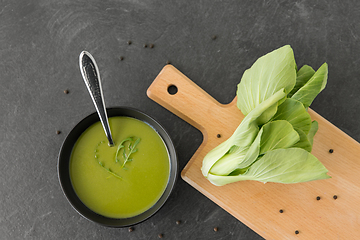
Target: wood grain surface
309,210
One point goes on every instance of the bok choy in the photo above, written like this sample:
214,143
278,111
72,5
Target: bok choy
273,142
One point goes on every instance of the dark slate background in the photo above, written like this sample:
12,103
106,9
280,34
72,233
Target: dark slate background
40,42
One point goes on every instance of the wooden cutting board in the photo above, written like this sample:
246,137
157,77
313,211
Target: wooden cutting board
257,204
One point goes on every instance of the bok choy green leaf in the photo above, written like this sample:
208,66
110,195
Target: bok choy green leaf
307,93
291,165
273,142
233,151
269,74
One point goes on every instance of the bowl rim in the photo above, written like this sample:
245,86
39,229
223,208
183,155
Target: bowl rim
64,173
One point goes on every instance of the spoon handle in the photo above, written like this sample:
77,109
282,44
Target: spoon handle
90,72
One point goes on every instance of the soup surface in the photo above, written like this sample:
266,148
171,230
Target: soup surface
121,181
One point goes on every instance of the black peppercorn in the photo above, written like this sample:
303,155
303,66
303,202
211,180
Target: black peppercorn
318,198
297,232
218,136
335,197
331,150
281,211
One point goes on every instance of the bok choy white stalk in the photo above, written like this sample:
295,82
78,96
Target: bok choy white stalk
273,142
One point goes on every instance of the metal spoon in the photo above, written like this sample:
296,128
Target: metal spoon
90,73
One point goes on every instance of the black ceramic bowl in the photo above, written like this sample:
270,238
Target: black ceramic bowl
64,173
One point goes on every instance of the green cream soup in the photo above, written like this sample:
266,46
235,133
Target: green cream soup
120,182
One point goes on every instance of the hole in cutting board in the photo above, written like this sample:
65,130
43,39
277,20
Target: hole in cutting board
172,89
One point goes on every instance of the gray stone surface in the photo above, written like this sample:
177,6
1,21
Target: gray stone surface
40,42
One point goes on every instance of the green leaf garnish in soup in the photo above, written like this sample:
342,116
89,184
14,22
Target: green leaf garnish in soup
273,142
121,181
